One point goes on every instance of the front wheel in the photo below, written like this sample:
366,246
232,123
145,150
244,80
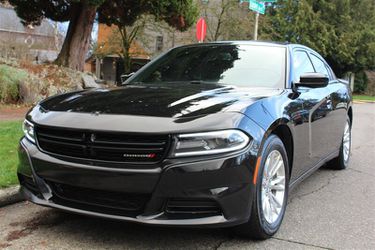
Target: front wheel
271,192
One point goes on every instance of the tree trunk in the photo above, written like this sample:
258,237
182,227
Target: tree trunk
77,40
127,62
126,41
126,57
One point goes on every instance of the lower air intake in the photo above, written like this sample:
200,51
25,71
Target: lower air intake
193,207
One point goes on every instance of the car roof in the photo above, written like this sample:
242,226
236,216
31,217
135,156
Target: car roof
252,42
288,45
240,42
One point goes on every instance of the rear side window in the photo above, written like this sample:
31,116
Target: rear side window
301,65
319,65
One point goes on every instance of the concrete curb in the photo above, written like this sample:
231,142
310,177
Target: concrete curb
10,196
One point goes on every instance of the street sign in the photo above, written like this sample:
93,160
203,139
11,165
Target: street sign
201,29
257,6
264,1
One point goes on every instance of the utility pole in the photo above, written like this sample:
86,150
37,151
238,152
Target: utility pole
256,26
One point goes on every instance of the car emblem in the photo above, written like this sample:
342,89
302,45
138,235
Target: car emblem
152,155
93,137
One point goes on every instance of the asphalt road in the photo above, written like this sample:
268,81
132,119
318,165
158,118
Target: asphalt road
329,210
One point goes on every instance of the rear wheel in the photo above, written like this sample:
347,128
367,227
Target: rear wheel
270,198
342,161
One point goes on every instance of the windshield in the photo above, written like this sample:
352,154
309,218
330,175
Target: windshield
239,65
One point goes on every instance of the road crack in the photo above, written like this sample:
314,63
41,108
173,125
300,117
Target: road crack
221,243
302,243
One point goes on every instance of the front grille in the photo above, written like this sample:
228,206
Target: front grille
192,207
118,147
100,201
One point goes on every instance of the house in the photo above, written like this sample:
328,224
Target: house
39,43
107,63
153,40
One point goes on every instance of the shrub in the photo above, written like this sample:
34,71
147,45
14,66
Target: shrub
10,79
360,82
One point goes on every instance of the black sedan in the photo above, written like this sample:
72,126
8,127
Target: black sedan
205,135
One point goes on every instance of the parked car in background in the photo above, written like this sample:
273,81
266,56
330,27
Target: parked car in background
209,134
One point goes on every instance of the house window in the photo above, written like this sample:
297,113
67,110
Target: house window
159,43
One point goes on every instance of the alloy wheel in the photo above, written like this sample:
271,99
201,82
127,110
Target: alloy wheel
273,186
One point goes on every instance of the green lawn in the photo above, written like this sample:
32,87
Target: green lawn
10,133
364,98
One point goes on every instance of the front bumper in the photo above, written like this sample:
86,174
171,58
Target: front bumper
218,191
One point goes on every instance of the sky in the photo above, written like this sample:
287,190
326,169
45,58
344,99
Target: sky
63,27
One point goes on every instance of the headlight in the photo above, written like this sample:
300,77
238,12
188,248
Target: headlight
209,143
28,130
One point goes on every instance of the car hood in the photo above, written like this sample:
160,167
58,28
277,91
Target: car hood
167,100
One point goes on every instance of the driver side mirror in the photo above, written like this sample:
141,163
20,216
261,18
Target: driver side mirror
312,80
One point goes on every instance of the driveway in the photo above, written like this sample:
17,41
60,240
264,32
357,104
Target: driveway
11,113
329,210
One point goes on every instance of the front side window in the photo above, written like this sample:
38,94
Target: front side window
332,75
301,65
238,65
319,65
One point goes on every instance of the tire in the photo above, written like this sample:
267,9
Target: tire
342,161
260,226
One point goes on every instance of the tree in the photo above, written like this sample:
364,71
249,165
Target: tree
80,14
179,14
296,22
353,22
343,31
124,46
227,20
